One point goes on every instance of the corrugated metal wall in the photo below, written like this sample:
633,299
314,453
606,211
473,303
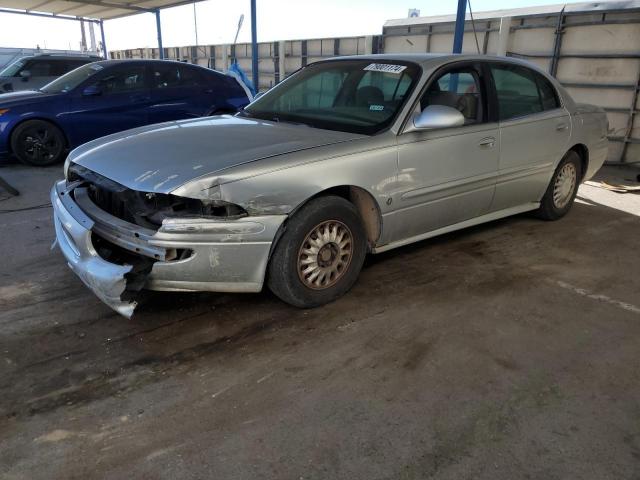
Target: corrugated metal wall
593,49
595,55
296,54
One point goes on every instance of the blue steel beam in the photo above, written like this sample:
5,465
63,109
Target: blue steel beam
159,30
459,32
104,41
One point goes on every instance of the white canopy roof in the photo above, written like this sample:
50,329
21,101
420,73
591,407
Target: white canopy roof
95,9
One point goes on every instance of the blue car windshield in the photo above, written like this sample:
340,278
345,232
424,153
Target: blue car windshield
357,96
71,80
12,69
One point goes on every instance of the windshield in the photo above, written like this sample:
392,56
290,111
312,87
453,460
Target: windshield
12,69
72,79
357,96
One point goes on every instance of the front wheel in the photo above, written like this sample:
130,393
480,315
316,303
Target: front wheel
562,189
320,254
38,143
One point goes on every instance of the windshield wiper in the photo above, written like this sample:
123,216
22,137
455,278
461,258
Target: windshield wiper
271,117
277,119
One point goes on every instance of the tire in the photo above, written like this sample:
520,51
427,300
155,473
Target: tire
38,143
311,264
562,189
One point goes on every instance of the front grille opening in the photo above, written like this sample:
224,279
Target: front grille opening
147,209
113,253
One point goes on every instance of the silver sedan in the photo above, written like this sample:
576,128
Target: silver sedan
346,157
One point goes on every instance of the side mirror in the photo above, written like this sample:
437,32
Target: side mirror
25,74
436,116
91,91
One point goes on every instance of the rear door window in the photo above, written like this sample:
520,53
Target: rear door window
174,75
517,91
548,93
189,77
40,68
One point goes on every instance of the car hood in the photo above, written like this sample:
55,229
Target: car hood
12,99
160,158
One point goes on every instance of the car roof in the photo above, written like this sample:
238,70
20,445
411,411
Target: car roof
146,61
45,56
143,60
432,59
436,60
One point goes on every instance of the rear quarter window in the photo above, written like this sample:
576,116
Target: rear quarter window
548,94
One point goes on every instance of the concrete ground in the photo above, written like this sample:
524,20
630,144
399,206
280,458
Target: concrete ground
506,351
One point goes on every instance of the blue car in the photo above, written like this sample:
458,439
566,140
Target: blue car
101,98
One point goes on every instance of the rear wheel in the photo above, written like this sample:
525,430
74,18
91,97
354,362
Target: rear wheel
320,255
38,143
562,189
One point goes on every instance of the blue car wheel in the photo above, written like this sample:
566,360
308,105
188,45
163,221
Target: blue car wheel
38,143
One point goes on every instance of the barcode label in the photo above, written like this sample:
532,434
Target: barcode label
385,67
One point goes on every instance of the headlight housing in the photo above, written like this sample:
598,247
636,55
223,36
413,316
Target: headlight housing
65,169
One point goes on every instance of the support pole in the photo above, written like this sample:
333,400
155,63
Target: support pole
557,44
503,36
254,46
282,65
92,37
83,37
459,32
159,30
224,49
104,42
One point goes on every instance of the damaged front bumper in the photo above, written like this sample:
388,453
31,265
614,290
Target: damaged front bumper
218,255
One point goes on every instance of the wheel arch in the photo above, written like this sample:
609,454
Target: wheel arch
365,203
583,152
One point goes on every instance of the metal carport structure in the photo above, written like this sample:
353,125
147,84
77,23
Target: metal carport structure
97,11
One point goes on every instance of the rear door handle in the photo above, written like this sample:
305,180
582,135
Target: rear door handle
561,126
487,142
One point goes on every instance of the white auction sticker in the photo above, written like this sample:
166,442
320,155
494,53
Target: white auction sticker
385,67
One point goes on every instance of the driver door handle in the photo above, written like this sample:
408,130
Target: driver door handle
487,142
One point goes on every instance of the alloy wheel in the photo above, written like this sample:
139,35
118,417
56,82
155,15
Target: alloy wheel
564,185
325,255
39,144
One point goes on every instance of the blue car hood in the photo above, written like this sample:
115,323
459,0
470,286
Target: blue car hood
160,158
23,97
